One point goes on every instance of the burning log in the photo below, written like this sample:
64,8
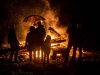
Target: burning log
60,51
54,32
58,40
54,44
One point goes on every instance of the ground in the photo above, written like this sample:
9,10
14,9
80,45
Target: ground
90,65
26,68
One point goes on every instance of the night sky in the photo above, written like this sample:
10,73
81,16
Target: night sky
85,12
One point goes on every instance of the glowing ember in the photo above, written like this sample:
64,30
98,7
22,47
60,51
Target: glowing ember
59,55
77,53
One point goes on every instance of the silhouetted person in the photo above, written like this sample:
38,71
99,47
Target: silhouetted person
46,48
80,41
14,44
31,42
40,32
73,34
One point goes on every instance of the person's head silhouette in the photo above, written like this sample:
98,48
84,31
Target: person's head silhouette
48,38
32,28
39,23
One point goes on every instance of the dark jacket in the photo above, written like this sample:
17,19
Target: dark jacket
12,39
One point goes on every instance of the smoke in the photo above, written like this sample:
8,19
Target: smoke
51,18
46,2
18,10
43,9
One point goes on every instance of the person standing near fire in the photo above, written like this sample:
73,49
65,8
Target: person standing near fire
46,48
73,36
82,37
41,33
14,43
31,43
